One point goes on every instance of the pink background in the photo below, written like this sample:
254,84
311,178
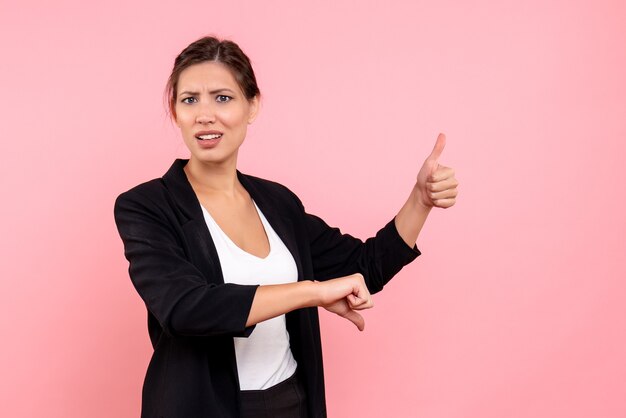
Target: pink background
516,307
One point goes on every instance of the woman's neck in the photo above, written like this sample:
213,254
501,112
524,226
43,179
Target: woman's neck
207,178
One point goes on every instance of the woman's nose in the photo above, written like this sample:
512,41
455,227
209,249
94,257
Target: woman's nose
206,114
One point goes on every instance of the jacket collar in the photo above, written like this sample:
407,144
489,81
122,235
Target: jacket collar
178,185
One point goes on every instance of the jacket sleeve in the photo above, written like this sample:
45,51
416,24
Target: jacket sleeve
335,254
173,289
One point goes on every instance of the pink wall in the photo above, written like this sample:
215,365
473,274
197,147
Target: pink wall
516,307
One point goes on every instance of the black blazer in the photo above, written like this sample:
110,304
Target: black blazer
193,315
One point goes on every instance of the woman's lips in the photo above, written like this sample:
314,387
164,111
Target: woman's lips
208,139
209,143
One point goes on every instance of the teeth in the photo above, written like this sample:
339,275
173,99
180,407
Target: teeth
212,136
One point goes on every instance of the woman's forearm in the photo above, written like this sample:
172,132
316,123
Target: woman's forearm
343,296
410,220
277,299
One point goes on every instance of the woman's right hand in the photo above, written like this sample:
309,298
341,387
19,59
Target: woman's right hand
345,296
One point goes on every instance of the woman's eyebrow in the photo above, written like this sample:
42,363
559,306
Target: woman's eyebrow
211,92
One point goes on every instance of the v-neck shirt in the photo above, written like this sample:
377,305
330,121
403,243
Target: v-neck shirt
264,358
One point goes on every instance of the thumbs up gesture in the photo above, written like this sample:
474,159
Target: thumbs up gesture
436,184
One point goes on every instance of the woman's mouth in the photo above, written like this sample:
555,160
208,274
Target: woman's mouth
208,137
209,140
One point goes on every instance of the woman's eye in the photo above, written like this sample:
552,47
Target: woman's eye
187,98
222,98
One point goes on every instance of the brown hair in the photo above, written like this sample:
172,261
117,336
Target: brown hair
210,48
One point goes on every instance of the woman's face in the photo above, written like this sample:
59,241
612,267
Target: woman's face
212,112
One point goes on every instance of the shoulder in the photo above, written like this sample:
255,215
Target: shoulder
150,189
146,197
161,189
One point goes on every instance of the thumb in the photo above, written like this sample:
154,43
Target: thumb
438,148
356,319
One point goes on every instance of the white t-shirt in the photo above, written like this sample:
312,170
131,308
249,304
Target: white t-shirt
264,358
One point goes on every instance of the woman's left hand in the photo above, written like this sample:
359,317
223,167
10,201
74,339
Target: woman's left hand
436,184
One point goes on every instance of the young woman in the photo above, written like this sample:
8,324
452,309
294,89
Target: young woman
231,267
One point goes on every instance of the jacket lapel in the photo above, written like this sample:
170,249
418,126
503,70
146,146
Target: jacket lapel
201,248
276,216
179,187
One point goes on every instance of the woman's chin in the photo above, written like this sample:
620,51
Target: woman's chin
213,158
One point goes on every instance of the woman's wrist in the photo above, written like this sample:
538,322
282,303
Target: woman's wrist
411,218
312,290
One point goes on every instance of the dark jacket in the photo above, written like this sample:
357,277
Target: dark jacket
193,315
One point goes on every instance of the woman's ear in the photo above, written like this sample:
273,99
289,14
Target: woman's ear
255,107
